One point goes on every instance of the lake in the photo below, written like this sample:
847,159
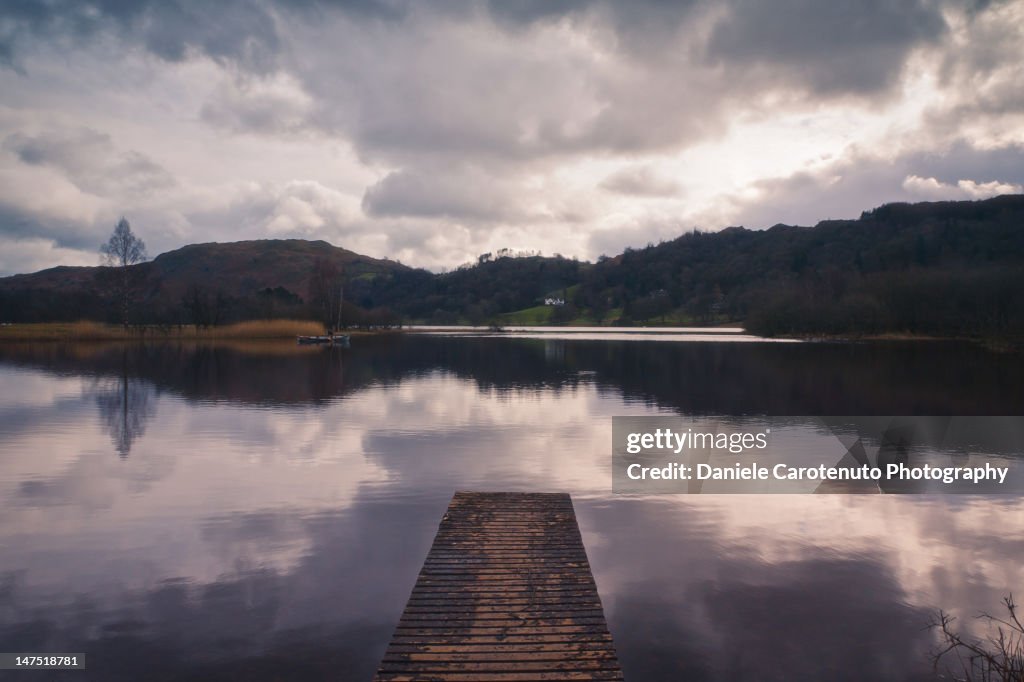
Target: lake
258,511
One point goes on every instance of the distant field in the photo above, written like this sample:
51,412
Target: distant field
540,314
95,331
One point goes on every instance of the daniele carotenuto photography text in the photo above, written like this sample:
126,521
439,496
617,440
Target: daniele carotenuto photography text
738,472
865,454
511,340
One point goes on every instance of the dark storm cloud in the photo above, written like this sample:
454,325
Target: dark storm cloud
247,31
846,46
841,46
20,224
380,10
641,28
242,31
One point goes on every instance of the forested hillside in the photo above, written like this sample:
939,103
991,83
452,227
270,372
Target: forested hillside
933,268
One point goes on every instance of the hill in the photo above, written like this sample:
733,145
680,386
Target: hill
939,268
261,278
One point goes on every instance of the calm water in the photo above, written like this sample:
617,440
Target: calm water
260,511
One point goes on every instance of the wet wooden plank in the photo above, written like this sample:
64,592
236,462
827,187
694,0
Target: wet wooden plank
505,595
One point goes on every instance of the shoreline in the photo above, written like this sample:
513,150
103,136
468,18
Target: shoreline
1001,345
254,330
284,329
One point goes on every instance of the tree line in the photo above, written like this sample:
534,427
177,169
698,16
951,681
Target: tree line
943,269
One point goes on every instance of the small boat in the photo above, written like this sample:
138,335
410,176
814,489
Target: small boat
336,339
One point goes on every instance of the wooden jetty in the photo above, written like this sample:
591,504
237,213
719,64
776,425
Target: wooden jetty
505,595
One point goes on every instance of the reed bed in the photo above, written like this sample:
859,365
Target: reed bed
97,331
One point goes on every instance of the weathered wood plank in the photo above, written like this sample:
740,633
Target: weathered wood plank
457,676
505,666
496,656
455,611
505,595
530,649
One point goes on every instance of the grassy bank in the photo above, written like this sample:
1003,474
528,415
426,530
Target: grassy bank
96,331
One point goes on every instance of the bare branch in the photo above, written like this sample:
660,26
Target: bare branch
999,656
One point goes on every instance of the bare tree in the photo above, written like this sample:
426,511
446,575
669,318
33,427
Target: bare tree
998,657
122,251
326,293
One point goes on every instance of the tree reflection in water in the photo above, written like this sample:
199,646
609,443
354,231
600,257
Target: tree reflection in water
126,405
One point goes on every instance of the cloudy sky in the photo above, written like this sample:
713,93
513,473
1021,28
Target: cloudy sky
431,132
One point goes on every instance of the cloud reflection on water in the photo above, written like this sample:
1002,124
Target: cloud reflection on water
247,531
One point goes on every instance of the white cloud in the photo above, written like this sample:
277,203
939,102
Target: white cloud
927,187
930,188
985,190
